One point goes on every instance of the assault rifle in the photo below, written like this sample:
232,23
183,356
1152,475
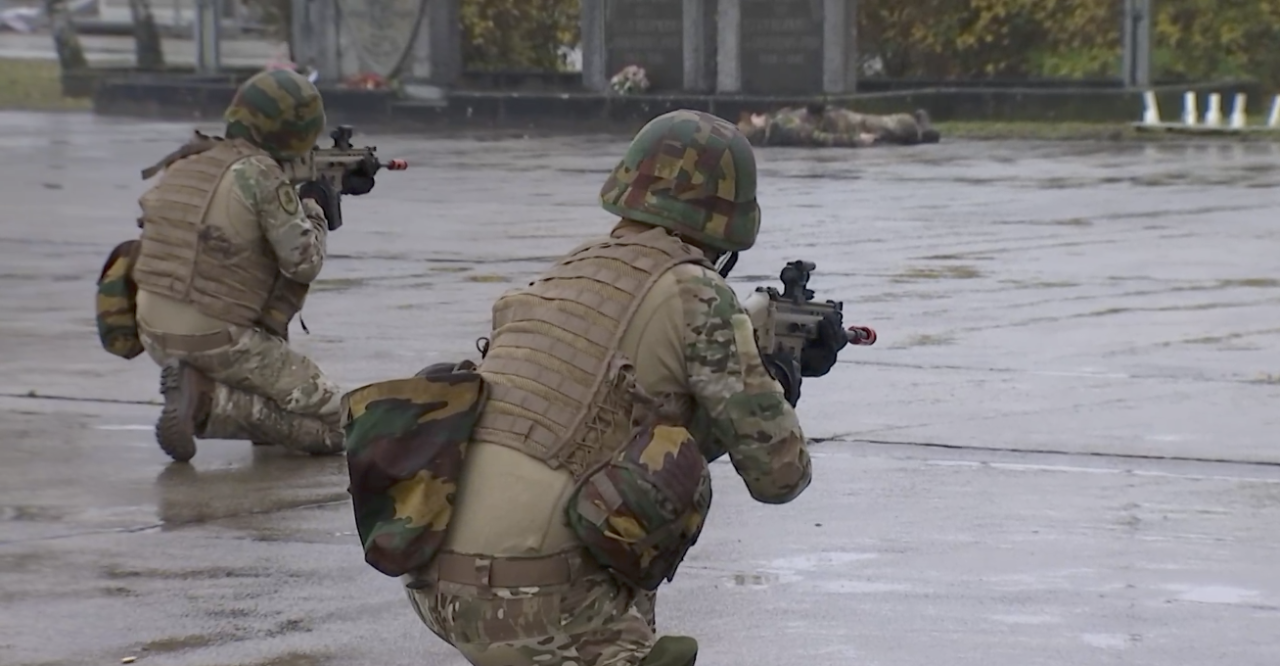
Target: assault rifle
788,319
333,164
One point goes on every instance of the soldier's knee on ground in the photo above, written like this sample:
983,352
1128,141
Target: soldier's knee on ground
672,651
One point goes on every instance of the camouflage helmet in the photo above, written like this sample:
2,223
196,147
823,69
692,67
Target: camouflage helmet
693,173
279,111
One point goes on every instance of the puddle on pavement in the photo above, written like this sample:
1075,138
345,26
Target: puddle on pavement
937,273
115,572
1249,282
1109,641
1026,619
292,659
926,340
178,643
815,561
755,579
33,514
487,278
860,587
338,284
1214,594
1040,284
903,296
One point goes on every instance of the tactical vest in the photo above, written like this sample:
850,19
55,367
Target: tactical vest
552,367
203,261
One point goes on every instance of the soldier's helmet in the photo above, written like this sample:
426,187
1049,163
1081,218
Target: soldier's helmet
692,173
279,111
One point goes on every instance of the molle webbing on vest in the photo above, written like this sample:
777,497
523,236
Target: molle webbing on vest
199,261
558,389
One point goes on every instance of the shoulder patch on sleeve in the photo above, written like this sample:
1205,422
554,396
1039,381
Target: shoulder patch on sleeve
288,198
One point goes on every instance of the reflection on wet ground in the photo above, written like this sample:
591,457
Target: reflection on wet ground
1060,450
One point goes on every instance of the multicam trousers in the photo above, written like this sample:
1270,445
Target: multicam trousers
264,391
584,618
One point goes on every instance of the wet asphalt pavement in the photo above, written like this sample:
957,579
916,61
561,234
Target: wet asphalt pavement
1062,450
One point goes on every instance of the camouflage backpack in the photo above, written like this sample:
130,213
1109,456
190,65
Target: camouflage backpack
117,302
406,440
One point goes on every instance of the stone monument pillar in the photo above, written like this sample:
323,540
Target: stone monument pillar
1136,67
787,47
314,37
208,34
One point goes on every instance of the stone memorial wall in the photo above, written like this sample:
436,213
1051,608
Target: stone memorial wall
648,33
406,39
781,46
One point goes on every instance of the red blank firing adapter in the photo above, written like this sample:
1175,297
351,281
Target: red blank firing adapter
861,335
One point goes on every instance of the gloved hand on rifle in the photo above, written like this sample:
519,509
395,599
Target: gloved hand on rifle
359,179
322,193
785,368
818,356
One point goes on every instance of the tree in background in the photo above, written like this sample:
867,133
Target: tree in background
276,16
517,34
147,45
1217,39
65,42
945,39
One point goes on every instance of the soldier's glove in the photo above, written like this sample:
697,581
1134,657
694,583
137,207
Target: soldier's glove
359,179
818,356
322,193
785,368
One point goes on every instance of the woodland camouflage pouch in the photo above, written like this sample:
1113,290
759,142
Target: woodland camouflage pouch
405,441
642,510
117,304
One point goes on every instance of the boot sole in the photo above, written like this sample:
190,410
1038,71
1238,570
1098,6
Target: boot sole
174,436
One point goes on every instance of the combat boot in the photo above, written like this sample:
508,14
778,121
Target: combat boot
187,398
927,133
240,415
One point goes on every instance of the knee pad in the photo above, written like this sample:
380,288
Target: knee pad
672,651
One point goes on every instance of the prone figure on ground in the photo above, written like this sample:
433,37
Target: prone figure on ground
820,125
228,249
572,484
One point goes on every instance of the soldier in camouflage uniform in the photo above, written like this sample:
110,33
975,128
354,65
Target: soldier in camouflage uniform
818,125
516,582
224,236
903,129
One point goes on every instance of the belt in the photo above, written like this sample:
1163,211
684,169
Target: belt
487,571
192,344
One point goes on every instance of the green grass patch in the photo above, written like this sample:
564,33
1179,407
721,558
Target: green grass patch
35,85
1077,131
